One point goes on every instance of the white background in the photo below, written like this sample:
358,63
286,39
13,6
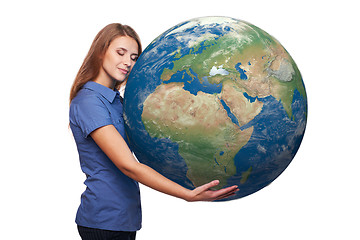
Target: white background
42,46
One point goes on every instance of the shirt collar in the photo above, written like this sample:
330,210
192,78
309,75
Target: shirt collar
106,92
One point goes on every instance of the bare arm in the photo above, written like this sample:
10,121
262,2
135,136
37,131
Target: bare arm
114,146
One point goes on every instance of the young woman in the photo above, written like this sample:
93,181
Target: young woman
110,206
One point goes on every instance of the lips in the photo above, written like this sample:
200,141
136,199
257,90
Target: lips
124,71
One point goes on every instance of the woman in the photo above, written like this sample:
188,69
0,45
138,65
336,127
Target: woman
110,206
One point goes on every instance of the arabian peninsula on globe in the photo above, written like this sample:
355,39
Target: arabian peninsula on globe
216,98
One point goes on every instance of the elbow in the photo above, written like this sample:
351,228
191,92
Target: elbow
130,170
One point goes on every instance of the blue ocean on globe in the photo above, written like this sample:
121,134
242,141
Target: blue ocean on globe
216,98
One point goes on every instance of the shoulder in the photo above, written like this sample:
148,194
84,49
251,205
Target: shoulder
88,104
87,99
85,96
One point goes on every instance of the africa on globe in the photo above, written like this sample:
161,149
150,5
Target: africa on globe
216,98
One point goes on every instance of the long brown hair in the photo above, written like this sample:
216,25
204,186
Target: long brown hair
90,68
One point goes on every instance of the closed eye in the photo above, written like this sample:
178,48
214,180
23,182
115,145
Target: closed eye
134,57
121,53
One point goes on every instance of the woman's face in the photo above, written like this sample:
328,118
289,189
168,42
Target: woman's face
120,58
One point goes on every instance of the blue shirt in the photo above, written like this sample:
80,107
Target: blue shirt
111,200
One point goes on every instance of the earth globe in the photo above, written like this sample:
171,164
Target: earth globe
216,98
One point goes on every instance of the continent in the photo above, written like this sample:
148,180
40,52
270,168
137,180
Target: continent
281,69
208,140
256,62
240,106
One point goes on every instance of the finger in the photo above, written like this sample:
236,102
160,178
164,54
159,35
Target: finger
207,186
226,195
233,191
225,191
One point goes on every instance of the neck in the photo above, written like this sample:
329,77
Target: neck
105,79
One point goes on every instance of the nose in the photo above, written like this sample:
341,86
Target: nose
128,62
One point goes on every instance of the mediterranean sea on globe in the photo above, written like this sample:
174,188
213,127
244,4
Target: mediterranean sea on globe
216,98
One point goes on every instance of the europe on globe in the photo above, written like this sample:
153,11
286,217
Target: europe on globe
216,98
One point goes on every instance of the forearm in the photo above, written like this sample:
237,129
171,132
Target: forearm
154,180
114,146
117,150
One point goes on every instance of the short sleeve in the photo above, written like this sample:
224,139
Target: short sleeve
89,113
